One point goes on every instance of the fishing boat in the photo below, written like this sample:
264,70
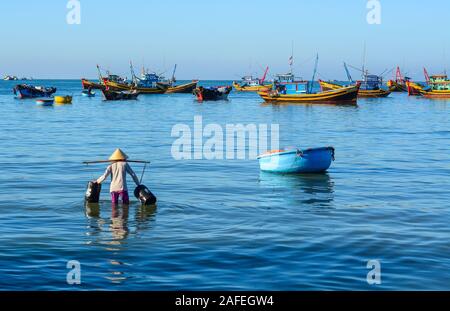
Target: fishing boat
10,78
369,88
123,95
63,99
250,84
92,85
212,93
148,83
186,88
296,161
23,91
88,93
100,85
45,102
399,83
414,89
439,86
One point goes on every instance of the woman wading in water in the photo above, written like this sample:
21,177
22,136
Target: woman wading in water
118,171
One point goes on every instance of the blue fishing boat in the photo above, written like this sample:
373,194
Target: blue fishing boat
45,102
297,161
29,91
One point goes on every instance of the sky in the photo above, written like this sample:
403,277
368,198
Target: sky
211,39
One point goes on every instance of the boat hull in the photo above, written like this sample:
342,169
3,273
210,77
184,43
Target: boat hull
327,86
373,93
205,94
91,85
114,86
187,88
397,87
115,95
44,102
436,94
308,161
344,95
27,91
259,88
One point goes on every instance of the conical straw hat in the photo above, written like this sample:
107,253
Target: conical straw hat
118,155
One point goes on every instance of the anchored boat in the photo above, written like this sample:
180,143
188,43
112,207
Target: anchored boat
114,95
45,102
297,161
399,84
63,99
23,91
212,93
250,84
186,88
439,86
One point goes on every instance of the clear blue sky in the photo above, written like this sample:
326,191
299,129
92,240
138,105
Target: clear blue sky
211,39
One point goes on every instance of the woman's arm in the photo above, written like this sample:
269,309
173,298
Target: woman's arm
105,175
133,175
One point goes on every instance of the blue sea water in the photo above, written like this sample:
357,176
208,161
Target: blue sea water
221,224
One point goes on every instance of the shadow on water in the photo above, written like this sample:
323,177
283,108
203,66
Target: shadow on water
314,189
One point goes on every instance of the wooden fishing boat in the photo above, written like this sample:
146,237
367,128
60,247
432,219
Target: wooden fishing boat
212,93
344,95
115,95
250,84
376,93
414,89
297,161
439,86
23,91
186,88
114,86
63,99
45,102
399,83
91,85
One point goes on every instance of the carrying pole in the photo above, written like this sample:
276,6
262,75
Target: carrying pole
108,161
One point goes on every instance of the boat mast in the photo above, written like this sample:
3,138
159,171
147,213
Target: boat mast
364,62
133,75
314,74
427,76
265,75
349,76
173,74
100,77
291,59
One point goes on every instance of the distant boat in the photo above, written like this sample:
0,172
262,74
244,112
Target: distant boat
114,95
399,84
10,78
250,84
186,88
23,91
439,86
63,99
414,89
370,87
212,93
101,85
297,161
44,102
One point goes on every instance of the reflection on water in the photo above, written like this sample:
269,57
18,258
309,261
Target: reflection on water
113,229
318,188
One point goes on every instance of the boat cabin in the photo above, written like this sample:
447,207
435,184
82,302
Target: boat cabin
371,83
250,81
148,80
286,84
439,83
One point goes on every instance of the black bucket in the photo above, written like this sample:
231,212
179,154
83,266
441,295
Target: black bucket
144,195
93,192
